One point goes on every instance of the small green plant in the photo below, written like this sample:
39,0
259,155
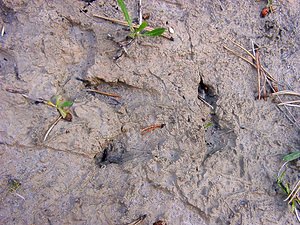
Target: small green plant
62,106
208,125
13,184
292,156
140,30
293,197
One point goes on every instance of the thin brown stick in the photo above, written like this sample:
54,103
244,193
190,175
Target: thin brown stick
124,23
243,58
269,76
253,57
258,72
274,83
104,93
265,85
241,47
151,128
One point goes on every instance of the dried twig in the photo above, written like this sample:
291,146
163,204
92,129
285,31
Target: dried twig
286,93
270,79
138,220
258,71
51,127
151,128
294,192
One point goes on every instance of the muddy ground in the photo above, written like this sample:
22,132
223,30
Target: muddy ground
203,167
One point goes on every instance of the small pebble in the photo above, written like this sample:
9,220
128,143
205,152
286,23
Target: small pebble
171,30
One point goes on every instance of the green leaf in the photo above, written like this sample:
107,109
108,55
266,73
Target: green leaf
155,32
126,14
293,206
66,104
207,125
292,156
62,112
143,25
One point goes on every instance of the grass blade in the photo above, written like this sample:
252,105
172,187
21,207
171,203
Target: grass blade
143,25
126,14
155,32
65,104
292,156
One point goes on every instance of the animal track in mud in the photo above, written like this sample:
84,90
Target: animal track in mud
137,107
216,138
135,100
8,62
87,39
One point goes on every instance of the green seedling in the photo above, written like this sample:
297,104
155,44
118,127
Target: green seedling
292,156
61,106
139,31
208,125
135,31
293,197
13,184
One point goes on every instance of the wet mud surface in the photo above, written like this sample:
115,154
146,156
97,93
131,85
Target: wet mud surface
153,146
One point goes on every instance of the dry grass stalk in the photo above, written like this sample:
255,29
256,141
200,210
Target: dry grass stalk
287,93
51,127
268,78
294,193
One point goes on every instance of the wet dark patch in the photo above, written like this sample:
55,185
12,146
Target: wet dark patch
207,93
114,153
216,138
7,14
89,1
8,63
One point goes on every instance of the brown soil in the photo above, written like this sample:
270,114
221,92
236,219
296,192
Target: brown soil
100,168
